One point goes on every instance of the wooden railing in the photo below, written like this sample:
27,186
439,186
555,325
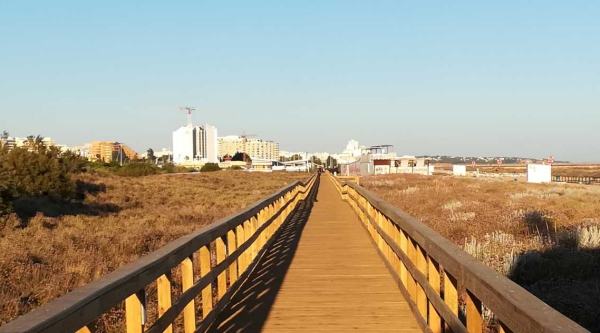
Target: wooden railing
225,252
355,179
438,278
577,179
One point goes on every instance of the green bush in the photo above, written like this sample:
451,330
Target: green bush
37,171
172,168
7,192
210,167
73,163
137,170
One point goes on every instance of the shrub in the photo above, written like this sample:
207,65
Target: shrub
38,171
172,168
102,168
6,184
73,163
181,169
169,168
210,167
236,167
6,196
137,170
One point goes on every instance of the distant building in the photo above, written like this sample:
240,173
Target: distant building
83,151
195,144
255,148
301,155
48,142
9,142
211,144
380,160
184,142
285,153
108,151
12,142
322,156
353,152
164,152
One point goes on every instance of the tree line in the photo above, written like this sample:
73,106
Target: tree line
41,171
37,170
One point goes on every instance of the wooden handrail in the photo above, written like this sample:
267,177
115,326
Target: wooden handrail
355,179
422,260
247,235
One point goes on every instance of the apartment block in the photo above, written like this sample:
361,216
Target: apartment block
108,151
255,148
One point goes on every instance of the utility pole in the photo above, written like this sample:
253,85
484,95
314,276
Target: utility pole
120,155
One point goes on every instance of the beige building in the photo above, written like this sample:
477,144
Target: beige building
109,151
255,148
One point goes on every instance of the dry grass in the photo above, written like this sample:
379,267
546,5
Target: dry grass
517,208
557,170
560,170
546,237
64,246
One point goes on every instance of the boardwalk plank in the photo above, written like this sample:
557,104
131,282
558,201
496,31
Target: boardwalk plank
322,274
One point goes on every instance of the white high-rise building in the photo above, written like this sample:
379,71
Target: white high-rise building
212,146
195,144
183,144
352,145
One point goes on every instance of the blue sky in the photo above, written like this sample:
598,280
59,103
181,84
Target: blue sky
431,77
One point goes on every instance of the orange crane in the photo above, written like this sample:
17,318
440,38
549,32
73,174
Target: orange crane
245,136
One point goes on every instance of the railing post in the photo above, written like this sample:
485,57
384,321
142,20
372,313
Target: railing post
388,231
135,312
207,303
187,280
403,269
273,225
379,221
397,261
474,315
253,228
222,278
450,295
421,264
231,247
163,286
435,321
247,234
240,240
412,256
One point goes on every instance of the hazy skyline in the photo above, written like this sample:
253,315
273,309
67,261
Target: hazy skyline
451,78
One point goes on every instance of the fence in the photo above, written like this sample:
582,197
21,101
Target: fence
355,179
225,252
577,180
438,278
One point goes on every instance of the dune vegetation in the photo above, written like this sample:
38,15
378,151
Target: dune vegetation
49,246
546,237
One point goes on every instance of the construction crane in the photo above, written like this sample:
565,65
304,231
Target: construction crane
245,137
189,110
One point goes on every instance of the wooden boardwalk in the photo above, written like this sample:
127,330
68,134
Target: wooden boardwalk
322,274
